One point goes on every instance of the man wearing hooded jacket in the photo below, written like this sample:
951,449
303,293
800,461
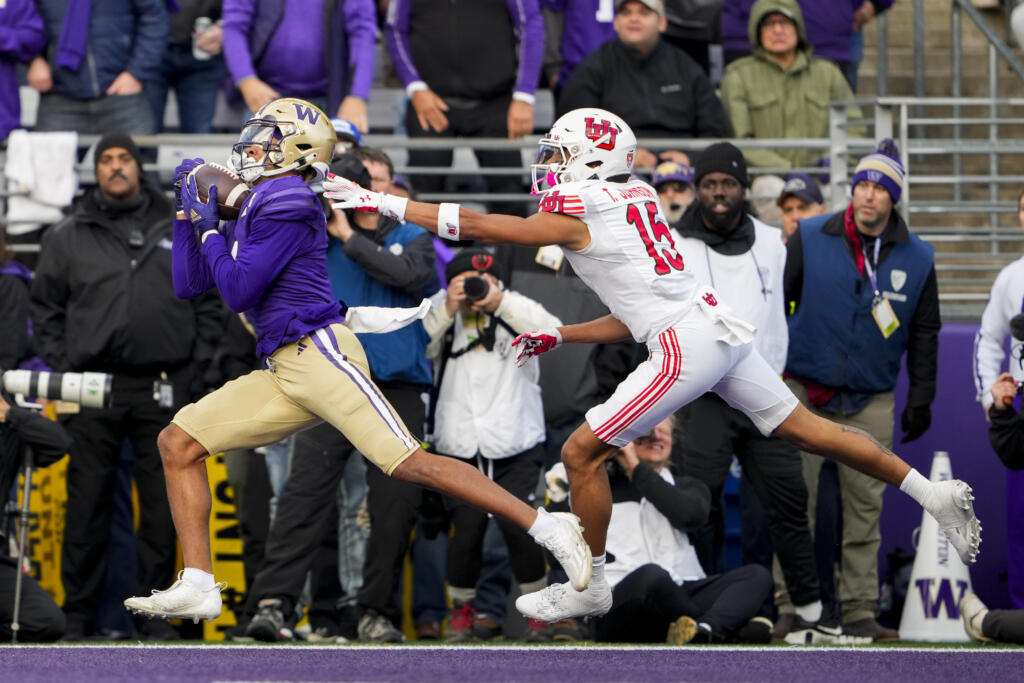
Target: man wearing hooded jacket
744,260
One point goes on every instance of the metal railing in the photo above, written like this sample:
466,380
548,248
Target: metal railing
969,216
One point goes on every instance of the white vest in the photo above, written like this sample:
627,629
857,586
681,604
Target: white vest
751,283
639,534
486,404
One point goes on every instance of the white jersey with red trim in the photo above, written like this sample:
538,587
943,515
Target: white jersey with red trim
631,262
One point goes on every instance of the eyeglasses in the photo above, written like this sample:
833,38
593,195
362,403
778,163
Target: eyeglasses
777,22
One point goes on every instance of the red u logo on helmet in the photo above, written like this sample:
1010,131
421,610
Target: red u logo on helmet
602,132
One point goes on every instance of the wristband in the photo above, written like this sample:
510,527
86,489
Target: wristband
448,221
393,206
202,239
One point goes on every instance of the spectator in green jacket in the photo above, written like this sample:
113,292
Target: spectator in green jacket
781,91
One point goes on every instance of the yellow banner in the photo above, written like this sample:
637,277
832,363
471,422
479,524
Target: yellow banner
225,547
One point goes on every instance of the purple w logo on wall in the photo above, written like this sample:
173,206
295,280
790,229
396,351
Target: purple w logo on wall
307,113
944,596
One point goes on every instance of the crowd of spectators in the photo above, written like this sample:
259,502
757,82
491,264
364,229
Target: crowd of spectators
101,300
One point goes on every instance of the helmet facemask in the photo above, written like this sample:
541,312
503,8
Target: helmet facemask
267,134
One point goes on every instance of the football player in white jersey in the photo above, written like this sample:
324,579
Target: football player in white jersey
611,228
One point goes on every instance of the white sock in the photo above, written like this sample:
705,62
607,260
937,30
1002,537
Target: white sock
916,486
198,578
597,573
810,612
543,525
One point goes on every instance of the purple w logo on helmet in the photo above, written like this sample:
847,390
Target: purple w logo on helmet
307,113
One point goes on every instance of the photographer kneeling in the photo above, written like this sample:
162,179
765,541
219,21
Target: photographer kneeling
660,592
1006,426
40,620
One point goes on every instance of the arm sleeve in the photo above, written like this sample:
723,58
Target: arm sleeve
396,33
237,16
25,36
151,29
686,505
529,27
242,280
525,314
48,440
923,345
48,297
189,272
437,322
361,25
411,270
1006,433
793,276
737,106
13,322
989,351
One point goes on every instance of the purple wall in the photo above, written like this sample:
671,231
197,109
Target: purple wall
959,427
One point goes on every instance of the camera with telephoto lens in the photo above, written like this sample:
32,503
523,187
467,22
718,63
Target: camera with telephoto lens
475,287
90,389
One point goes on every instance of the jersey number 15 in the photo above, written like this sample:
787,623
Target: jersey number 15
655,234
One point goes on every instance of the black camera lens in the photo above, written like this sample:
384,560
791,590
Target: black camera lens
476,287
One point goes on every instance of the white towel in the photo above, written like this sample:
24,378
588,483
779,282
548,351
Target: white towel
43,165
378,320
735,330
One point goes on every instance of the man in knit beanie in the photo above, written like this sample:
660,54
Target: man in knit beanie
861,292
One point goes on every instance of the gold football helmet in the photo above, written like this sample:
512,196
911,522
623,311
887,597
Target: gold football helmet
288,134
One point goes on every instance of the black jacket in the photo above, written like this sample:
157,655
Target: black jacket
102,298
48,440
664,93
923,343
1006,433
687,504
13,321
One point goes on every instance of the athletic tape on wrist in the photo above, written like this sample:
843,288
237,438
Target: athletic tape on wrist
202,239
448,221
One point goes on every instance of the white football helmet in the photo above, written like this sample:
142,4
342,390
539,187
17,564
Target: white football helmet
584,144
293,135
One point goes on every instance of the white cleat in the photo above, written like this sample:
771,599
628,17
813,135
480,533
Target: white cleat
973,611
950,504
565,541
559,601
181,601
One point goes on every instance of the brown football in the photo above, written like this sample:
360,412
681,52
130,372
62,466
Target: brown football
231,191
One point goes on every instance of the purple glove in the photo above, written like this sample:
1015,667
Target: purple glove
183,169
204,215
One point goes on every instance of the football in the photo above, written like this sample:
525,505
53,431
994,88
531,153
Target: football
231,191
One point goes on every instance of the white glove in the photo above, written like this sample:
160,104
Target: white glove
557,482
352,196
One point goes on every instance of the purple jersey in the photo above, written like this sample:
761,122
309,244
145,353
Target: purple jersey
270,264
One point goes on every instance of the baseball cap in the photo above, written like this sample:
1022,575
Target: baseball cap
801,186
346,130
671,170
655,5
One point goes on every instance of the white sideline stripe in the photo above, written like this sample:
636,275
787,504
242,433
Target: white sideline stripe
392,648
369,390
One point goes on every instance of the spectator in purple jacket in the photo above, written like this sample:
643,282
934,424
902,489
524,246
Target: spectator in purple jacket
830,27
22,36
573,29
470,68
288,48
